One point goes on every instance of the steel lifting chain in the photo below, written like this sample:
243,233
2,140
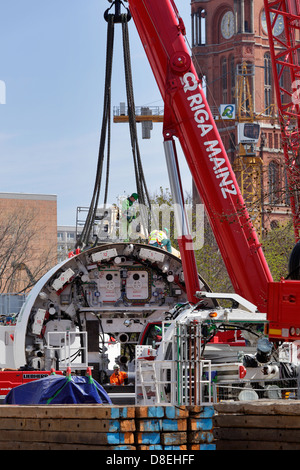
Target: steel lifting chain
105,132
141,186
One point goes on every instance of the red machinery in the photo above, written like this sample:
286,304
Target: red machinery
12,378
283,297
188,117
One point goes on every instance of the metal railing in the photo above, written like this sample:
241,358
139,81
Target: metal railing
70,346
281,389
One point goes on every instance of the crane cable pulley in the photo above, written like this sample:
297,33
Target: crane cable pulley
141,186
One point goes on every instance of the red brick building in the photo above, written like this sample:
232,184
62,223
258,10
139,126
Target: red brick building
231,55
28,233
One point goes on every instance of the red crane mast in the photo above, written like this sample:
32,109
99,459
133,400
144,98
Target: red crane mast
286,79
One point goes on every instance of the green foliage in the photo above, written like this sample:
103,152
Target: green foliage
277,247
211,265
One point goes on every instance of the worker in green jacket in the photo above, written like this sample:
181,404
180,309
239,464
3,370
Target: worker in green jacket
127,216
160,239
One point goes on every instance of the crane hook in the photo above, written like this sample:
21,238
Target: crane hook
118,16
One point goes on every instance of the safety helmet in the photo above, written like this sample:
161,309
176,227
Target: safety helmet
116,366
134,195
166,230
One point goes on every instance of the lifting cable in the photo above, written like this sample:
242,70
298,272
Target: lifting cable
141,187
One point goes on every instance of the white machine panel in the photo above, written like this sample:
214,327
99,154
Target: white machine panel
109,285
151,255
62,279
38,321
104,255
137,285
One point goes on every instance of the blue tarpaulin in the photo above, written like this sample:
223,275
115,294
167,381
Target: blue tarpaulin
58,389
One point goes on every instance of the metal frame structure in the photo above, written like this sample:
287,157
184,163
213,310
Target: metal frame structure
183,377
286,79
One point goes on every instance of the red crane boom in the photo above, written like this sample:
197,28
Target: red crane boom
188,117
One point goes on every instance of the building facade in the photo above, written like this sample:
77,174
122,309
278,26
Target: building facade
232,57
28,233
66,240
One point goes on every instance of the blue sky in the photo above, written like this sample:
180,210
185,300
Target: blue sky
53,62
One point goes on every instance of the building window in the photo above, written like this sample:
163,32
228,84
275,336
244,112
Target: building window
70,236
274,182
274,224
232,77
199,28
232,146
224,79
267,83
60,236
287,189
270,140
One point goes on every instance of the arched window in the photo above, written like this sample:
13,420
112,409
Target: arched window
267,83
274,224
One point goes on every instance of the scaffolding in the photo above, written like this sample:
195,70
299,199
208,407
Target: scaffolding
182,377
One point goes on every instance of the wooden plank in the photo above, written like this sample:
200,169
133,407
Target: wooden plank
93,411
257,421
150,447
20,423
173,424
17,445
202,447
256,445
149,411
164,424
161,411
197,437
175,412
173,438
260,407
71,425
87,425
161,447
179,447
152,438
255,434
91,438
198,411
197,424
148,425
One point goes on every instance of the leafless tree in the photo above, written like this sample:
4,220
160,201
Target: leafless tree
23,260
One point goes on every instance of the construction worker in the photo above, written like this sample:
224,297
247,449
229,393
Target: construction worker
160,238
118,377
127,216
